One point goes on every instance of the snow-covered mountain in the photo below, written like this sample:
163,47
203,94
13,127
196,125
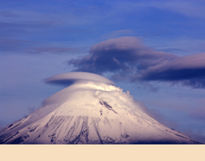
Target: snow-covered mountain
92,110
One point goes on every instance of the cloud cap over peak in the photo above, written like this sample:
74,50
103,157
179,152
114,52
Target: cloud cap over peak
69,78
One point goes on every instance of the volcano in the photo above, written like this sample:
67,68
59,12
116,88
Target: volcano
90,110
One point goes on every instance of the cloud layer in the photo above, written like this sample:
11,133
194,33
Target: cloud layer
127,58
72,77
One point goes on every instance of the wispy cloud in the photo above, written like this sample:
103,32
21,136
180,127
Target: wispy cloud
119,33
13,44
189,8
185,7
52,50
16,46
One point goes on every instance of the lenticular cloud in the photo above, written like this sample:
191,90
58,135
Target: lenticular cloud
76,77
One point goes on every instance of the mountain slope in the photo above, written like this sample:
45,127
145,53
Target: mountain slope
90,111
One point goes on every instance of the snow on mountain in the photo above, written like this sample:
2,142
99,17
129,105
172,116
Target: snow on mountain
92,110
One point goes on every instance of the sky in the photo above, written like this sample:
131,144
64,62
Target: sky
155,49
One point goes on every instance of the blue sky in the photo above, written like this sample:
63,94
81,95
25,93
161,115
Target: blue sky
40,38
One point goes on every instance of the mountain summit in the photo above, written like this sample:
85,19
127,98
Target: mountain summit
91,110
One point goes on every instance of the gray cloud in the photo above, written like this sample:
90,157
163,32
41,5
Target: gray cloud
189,70
121,54
127,58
